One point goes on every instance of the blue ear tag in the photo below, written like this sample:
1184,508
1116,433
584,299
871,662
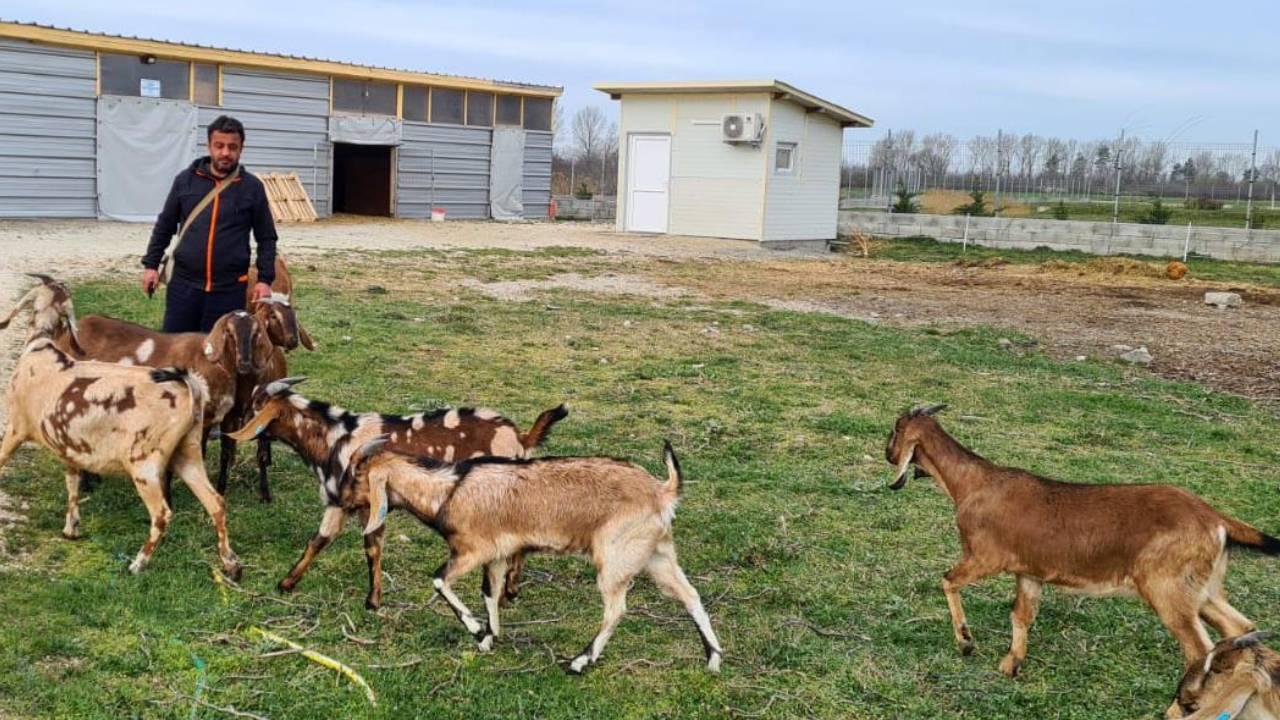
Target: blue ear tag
258,431
382,509
1224,716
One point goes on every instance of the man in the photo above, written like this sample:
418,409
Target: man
218,203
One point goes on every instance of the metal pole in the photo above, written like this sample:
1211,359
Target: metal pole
999,168
431,201
315,162
888,191
964,247
1115,210
1253,172
1186,246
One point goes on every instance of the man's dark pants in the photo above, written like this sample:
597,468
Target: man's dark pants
188,308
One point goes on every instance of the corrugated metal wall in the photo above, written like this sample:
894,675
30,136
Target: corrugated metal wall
537,173
286,120
446,166
47,131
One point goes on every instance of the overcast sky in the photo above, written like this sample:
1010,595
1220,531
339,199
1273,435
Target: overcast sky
1082,69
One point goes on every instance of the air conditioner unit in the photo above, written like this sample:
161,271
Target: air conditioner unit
742,128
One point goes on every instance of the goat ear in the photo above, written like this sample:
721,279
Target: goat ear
377,505
304,337
256,424
900,478
215,343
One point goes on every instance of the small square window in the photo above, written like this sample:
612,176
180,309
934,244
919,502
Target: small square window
785,158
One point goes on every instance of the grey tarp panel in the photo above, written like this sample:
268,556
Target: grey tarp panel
506,174
47,110
364,129
142,144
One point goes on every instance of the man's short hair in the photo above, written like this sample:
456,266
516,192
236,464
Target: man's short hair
226,124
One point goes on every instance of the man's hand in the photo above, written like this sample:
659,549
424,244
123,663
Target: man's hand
150,280
261,291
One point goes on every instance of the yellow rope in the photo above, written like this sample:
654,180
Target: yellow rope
317,658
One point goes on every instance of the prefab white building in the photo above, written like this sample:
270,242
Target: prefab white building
754,160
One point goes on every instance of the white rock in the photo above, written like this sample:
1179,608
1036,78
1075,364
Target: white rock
1139,356
1223,299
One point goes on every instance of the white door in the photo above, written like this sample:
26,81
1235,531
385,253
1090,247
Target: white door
648,183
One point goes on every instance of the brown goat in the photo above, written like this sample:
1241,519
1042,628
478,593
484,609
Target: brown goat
277,312
1162,543
103,417
1239,679
315,430
275,369
490,510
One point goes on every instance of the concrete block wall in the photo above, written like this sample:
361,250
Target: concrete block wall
1098,238
600,209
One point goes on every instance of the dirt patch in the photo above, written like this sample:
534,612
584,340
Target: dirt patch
1071,312
608,283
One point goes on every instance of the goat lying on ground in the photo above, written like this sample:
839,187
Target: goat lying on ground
317,431
1239,679
491,509
103,417
1162,543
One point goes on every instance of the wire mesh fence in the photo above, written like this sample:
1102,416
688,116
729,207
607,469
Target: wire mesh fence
1208,183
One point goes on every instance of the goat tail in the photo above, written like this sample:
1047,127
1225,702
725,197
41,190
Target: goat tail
542,427
193,383
675,478
1241,534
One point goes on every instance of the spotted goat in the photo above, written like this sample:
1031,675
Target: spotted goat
1238,679
104,417
491,510
1161,543
323,434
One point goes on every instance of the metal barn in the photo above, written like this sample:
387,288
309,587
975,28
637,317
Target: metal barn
95,125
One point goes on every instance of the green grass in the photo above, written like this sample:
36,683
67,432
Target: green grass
785,526
926,249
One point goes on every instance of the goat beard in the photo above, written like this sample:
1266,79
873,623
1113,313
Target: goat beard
900,479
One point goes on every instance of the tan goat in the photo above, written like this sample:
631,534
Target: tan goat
1238,680
319,432
278,312
491,509
103,417
1162,543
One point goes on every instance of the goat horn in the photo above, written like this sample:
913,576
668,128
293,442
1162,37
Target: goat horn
927,410
42,278
1254,638
279,386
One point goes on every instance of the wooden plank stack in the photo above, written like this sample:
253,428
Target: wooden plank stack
288,199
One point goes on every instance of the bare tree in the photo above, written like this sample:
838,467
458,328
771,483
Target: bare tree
589,128
936,154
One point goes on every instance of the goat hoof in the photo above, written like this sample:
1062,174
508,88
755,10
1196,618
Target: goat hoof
136,566
284,586
579,664
1009,667
713,663
371,604
966,648
264,499
233,571
485,644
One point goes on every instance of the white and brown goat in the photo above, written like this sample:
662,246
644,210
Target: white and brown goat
103,417
490,510
1239,679
321,433
277,312
1161,543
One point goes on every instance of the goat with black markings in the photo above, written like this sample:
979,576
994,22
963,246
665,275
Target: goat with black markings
319,432
1162,543
491,509
103,417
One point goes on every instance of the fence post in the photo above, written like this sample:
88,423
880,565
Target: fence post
964,246
1186,246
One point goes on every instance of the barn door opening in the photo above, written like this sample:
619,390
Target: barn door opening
362,179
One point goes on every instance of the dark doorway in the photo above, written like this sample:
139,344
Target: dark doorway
362,179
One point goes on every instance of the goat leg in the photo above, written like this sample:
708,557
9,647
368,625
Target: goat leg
959,576
495,577
71,528
330,526
226,458
373,556
1025,606
264,462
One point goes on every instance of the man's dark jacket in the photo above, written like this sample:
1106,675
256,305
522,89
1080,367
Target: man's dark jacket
214,253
